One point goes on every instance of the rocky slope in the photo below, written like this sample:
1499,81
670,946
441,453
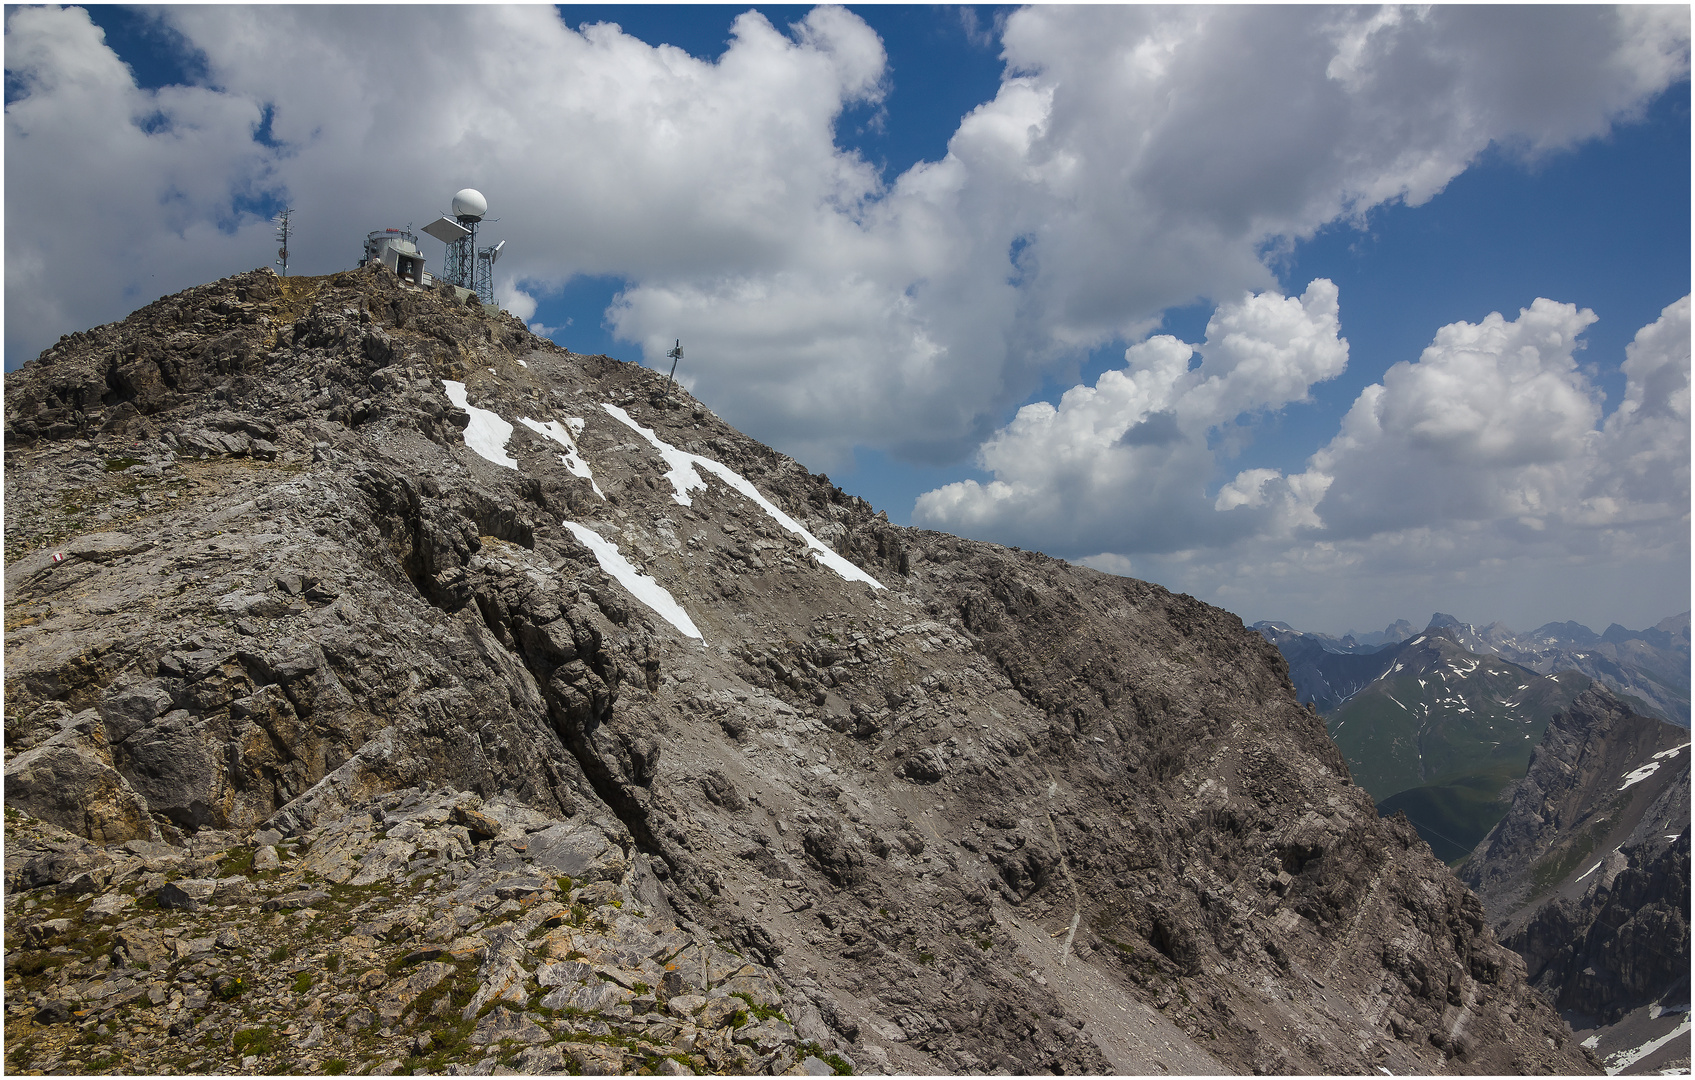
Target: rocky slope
282,551
1587,878
424,925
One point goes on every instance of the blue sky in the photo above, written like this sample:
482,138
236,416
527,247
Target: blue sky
911,246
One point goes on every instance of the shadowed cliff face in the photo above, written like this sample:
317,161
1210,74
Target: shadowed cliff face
980,808
1587,877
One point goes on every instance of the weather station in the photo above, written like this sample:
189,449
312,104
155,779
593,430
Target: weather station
397,249
467,267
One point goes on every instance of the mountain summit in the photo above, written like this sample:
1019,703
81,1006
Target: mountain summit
389,688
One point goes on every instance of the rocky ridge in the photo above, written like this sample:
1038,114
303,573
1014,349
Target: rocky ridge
1602,776
1587,878
423,931
985,811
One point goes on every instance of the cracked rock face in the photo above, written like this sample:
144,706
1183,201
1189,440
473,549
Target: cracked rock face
1587,877
963,808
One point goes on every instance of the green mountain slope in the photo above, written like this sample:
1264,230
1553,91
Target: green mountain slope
1455,815
1443,732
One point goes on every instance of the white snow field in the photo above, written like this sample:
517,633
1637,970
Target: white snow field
642,587
487,433
564,434
684,479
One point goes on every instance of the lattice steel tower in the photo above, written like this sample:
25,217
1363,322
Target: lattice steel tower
466,265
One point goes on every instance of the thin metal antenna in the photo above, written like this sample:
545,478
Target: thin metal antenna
675,354
282,238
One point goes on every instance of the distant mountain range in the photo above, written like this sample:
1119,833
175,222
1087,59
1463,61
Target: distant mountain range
1440,724
1650,666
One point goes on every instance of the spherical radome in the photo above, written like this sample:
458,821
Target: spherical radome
470,203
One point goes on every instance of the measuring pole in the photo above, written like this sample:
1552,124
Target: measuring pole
675,354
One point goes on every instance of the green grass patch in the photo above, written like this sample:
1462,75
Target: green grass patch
302,981
18,1056
278,954
335,1066
1552,868
1127,950
237,863
31,964
448,1034
837,1064
759,1012
254,1040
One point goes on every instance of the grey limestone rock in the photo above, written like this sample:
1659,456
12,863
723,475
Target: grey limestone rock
364,622
71,787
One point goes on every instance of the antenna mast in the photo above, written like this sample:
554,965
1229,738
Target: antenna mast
675,354
282,238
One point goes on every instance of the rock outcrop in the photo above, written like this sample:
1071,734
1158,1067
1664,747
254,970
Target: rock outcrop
282,551
426,925
1587,877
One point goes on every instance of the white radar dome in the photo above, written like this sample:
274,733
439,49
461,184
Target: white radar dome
470,203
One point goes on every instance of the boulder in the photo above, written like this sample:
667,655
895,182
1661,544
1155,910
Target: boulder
76,790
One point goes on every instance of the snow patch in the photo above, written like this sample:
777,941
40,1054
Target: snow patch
562,434
642,587
487,433
1637,775
1673,752
685,478
1624,1059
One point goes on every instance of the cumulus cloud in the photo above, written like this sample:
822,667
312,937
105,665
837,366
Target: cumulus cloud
1133,158
1128,461
1481,473
1488,423
109,188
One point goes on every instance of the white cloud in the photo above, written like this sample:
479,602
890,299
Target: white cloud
1493,420
1128,461
111,190
1645,443
1134,158
1474,478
